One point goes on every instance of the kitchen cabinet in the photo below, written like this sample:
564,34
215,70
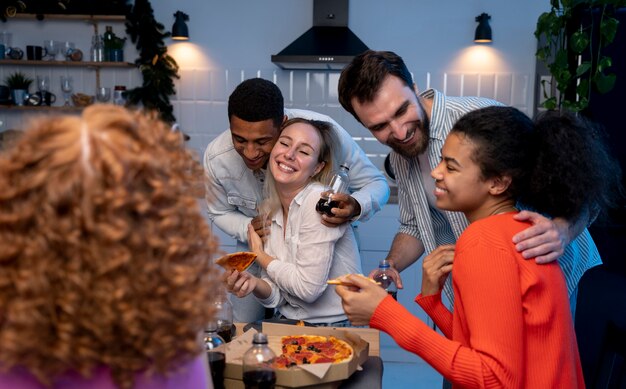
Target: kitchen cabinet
88,76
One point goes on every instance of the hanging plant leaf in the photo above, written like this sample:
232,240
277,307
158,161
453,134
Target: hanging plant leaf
579,41
604,83
583,68
564,33
158,68
608,29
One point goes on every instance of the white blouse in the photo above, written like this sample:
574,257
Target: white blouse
308,256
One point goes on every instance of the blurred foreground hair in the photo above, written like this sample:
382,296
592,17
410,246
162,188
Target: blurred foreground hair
104,254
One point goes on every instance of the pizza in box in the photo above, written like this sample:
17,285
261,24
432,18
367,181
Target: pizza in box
239,261
310,349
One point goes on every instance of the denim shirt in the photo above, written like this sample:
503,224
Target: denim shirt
234,191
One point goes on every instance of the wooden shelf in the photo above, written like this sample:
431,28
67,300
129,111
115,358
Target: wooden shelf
89,64
41,108
87,18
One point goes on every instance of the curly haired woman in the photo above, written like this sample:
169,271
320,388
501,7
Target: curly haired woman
104,277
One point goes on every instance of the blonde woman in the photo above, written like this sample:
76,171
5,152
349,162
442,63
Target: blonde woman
300,253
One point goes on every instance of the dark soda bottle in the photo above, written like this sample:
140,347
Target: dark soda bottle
258,371
215,349
259,379
324,205
338,184
217,363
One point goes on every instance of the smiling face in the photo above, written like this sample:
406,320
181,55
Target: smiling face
459,183
295,157
396,118
253,140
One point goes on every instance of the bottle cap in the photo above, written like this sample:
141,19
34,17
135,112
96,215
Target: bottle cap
384,263
259,338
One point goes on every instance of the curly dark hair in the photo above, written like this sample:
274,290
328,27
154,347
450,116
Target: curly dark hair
104,254
364,75
559,164
255,100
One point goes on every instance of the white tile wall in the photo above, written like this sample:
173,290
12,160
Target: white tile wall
201,101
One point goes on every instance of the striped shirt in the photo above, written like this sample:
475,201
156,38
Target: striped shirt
435,227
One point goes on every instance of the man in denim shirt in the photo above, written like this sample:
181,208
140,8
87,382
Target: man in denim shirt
235,164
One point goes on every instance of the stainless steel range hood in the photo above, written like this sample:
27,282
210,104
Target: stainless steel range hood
329,44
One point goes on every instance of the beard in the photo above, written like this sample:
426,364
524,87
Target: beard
419,129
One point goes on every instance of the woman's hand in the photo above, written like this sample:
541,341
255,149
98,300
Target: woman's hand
435,269
240,284
255,243
360,300
254,240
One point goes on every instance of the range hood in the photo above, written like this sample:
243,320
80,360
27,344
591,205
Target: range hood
329,44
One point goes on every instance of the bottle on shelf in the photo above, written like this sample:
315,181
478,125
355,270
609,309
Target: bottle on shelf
107,39
215,349
386,282
338,184
97,49
258,372
224,318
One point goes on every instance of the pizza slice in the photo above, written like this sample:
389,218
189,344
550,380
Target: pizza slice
239,261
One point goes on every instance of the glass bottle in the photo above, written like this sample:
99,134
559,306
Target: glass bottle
215,349
338,184
258,372
386,282
224,318
118,95
107,40
97,50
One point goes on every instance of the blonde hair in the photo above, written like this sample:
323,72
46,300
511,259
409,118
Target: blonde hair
327,154
104,254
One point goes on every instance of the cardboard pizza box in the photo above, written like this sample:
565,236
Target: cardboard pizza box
317,375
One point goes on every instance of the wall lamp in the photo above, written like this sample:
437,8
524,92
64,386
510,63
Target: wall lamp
483,31
180,32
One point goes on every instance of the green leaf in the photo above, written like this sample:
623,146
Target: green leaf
608,29
550,103
583,68
604,63
579,41
604,83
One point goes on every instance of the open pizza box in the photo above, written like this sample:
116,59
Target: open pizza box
323,375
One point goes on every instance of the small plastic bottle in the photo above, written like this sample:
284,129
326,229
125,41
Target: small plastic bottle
224,318
338,184
386,282
258,372
215,349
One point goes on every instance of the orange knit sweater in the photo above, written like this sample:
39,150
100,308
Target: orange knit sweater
511,327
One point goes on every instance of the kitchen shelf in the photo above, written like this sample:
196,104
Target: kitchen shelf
87,18
40,108
90,64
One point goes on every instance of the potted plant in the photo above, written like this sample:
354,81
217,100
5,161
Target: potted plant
19,83
570,32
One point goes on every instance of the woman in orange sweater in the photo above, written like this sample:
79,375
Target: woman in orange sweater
511,325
